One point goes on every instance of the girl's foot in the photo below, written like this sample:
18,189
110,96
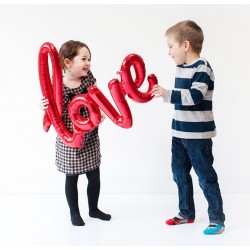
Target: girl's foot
77,220
99,214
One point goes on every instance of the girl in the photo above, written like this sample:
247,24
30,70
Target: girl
75,59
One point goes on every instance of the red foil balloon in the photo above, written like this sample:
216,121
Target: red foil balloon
94,100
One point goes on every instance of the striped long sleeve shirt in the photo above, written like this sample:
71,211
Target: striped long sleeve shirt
192,99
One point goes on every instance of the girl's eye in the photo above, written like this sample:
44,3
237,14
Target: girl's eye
85,59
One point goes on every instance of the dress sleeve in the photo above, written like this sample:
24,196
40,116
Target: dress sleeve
91,78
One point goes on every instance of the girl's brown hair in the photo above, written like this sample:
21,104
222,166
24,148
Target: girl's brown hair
69,50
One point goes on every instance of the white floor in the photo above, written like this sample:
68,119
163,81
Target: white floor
137,220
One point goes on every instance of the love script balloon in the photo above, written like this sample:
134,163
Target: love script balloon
94,100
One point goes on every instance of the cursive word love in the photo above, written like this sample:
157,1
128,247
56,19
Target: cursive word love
94,100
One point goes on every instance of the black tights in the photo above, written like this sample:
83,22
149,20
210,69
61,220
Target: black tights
93,191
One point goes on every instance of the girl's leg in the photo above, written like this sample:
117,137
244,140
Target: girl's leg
71,192
93,191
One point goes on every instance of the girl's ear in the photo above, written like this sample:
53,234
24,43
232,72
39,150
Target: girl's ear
66,62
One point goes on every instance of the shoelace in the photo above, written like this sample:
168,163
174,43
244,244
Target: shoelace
212,225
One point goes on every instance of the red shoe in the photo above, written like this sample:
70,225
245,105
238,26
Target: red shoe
178,221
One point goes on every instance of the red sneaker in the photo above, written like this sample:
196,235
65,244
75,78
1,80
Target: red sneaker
178,221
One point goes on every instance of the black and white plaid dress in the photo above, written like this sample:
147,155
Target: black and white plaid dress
78,160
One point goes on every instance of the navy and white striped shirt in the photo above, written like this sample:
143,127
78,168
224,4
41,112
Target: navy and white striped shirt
192,97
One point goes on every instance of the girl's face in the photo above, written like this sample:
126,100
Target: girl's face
177,51
80,64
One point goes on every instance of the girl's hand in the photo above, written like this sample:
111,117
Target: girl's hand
43,105
158,91
103,116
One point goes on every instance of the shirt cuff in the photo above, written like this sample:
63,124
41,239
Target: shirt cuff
167,97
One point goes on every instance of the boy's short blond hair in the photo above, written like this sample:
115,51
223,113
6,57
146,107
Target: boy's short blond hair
187,31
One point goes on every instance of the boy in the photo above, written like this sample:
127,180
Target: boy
193,125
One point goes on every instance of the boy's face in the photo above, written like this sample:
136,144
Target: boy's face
176,51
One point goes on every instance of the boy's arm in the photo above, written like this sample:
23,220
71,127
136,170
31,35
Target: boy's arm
198,90
186,97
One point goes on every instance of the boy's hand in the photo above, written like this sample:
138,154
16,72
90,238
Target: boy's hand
158,91
43,104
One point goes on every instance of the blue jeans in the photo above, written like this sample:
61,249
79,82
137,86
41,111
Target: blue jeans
196,153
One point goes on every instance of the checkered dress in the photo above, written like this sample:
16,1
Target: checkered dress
78,160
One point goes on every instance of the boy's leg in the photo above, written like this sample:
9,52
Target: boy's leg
202,162
181,168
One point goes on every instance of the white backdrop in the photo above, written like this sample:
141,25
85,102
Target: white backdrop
135,160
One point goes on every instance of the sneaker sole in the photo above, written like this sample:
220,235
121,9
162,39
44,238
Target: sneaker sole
173,222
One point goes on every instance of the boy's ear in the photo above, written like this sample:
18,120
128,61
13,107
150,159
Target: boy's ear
186,45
